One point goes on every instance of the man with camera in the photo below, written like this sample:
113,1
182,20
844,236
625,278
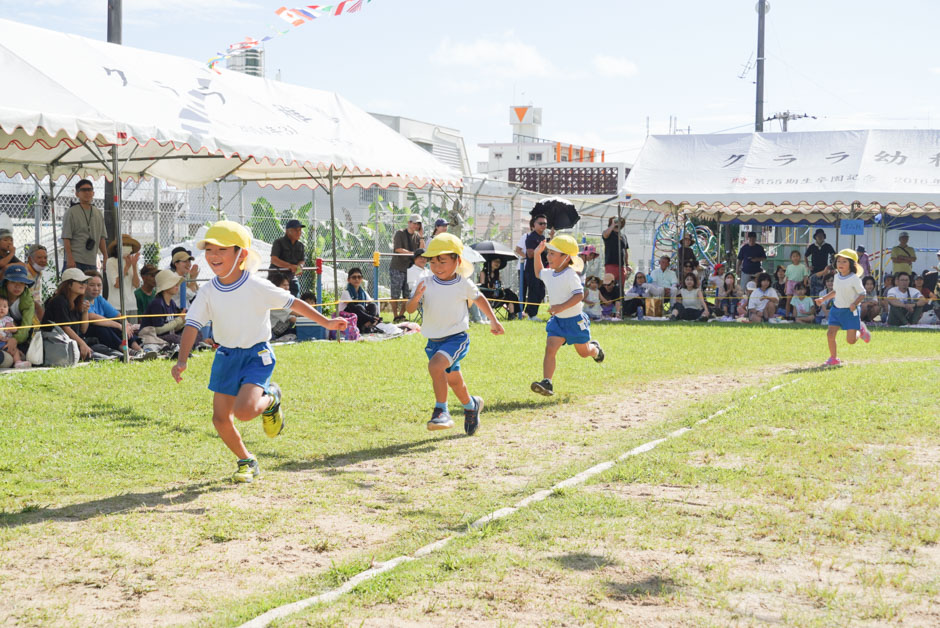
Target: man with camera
83,230
616,250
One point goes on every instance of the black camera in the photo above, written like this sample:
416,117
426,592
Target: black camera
89,244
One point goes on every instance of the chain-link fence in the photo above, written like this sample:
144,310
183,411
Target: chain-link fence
366,220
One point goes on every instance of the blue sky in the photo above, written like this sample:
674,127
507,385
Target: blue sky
597,69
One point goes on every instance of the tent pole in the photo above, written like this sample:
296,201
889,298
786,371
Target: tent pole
118,237
333,226
55,235
881,249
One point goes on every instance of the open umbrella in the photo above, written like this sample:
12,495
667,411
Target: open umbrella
560,212
490,250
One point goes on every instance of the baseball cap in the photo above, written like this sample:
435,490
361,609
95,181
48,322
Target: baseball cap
75,274
293,223
5,233
440,222
415,218
904,234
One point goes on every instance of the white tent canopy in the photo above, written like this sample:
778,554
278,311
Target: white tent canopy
68,98
796,176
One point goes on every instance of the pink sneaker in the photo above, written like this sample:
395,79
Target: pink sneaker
864,334
833,362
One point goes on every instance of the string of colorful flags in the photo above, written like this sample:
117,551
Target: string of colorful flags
297,16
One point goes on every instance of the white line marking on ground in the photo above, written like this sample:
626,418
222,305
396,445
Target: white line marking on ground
288,609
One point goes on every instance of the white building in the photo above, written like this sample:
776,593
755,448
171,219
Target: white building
249,62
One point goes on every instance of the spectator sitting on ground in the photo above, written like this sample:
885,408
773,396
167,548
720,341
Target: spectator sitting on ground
691,305
729,295
166,320
418,270
690,267
663,281
635,298
69,309
802,307
283,322
780,285
592,298
108,332
717,277
147,290
492,288
871,306
130,252
37,258
610,296
10,355
743,303
588,254
822,315
22,308
762,306
7,249
356,300
182,264
918,281
906,303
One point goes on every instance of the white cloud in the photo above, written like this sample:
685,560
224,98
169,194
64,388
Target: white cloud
935,70
506,57
617,67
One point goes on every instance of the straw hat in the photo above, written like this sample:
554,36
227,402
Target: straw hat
126,240
444,243
228,233
566,245
166,279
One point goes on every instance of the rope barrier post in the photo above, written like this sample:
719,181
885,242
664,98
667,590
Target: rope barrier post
319,272
375,275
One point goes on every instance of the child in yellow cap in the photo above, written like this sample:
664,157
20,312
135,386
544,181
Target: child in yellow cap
446,320
848,293
237,304
568,324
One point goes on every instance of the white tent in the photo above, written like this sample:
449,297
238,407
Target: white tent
791,176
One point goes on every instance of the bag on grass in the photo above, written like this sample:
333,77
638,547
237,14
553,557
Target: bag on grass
34,353
352,328
58,349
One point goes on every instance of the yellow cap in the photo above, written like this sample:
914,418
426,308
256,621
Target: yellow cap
566,244
228,233
852,255
447,243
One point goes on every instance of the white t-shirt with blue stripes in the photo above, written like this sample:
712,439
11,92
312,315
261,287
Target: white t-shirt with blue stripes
445,306
238,311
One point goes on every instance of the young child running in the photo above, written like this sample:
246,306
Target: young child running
848,292
446,320
568,325
237,304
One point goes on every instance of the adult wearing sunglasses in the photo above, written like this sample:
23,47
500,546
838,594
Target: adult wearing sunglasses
355,299
83,230
534,288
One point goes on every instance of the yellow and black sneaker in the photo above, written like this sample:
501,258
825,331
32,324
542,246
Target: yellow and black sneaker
273,418
247,471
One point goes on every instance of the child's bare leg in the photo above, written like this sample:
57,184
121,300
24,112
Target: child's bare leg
456,383
250,402
437,367
552,345
851,335
769,311
831,338
223,421
586,350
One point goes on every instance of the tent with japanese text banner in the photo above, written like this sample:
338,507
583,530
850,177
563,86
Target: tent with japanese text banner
81,107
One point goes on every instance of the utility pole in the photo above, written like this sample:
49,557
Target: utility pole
786,116
114,36
762,9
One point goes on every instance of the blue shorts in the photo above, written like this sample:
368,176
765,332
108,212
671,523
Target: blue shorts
576,330
454,347
845,318
234,367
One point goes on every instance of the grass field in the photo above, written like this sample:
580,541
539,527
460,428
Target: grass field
814,504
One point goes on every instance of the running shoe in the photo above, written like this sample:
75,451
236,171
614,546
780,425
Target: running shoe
247,471
273,418
833,362
864,334
471,418
600,352
440,420
543,387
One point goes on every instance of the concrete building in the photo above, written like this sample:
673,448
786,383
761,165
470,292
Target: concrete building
249,62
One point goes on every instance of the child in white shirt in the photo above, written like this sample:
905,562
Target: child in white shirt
592,298
568,323
846,295
762,304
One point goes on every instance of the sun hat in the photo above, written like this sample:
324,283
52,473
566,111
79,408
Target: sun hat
15,272
852,255
444,243
126,240
181,256
74,274
565,244
608,278
228,233
166,279
590,249
415,218
293,223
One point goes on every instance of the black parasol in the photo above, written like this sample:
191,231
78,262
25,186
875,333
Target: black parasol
560,212
490,250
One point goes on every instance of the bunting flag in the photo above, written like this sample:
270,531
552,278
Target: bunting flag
297,16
